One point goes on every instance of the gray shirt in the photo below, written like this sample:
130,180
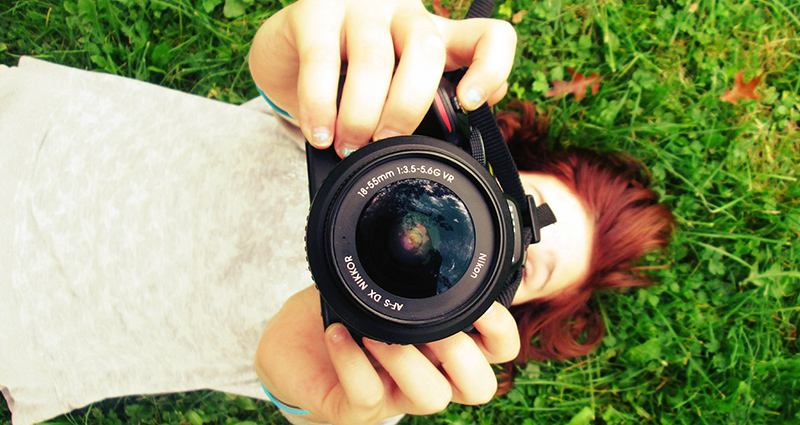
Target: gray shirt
146,236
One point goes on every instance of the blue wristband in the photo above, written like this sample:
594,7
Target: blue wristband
283,406
277,109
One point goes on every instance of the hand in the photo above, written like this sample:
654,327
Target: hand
328,374
394,53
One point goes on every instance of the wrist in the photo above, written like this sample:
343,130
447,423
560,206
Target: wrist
282,405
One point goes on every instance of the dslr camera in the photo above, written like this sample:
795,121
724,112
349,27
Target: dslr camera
411,239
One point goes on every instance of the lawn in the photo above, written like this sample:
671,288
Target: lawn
716,341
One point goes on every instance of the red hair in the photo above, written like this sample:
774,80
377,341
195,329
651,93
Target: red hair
628,222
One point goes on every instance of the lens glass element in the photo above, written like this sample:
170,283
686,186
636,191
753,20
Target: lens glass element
415,238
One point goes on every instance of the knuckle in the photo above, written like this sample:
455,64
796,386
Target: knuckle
368,402
482,394
355,122
355,131
431,46
504,30
510,355
503,353
405,116
318,55
431,407
510,350
375,56
436,401
502,356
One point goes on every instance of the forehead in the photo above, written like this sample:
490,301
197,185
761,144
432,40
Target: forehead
565,248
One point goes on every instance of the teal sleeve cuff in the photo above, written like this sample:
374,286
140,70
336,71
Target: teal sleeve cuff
283,406
277,109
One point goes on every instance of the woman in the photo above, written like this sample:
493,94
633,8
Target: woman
583,251
140,222
395,53
148,235
625,221
608,218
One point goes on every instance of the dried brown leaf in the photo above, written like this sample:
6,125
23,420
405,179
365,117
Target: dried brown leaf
742,90
577,86
439,9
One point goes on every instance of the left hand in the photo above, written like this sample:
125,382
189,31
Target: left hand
328,374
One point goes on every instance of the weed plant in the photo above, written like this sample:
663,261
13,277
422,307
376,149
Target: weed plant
715,342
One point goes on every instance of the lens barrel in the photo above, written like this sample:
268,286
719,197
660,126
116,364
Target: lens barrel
409,240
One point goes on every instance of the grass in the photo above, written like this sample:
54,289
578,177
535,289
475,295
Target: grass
715,342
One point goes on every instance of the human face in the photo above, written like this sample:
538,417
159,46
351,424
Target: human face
561,259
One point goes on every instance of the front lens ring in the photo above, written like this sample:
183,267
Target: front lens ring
371,294
326,271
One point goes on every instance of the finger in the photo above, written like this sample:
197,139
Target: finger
421,388
370,65
487,47
422,54
276,77
428,353
498,336
360,391
498,95
319,53
472,378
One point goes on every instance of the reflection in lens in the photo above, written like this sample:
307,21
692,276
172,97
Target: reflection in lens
415,238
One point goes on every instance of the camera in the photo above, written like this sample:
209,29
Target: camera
410,239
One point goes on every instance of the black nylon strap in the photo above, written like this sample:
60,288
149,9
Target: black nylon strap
512,283
480,9
497,154
505,170
476,144
546,216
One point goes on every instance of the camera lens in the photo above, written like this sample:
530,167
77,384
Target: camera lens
415,238
409,240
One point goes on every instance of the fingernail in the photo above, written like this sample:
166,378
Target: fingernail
346,149
336,333
321,136
474,98
374,343
490,311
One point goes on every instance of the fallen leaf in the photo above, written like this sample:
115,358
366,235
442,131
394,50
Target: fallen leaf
439,9
742,90
577,86
517,18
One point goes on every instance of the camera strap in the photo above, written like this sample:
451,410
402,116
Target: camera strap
495,150
506,172
480,9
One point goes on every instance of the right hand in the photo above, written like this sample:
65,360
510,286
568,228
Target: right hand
395,53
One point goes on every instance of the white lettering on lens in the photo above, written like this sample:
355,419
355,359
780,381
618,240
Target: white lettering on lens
374,295
421,169
393,305
479,265
375,182
351,267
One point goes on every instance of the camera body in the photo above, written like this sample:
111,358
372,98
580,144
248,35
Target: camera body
411,239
